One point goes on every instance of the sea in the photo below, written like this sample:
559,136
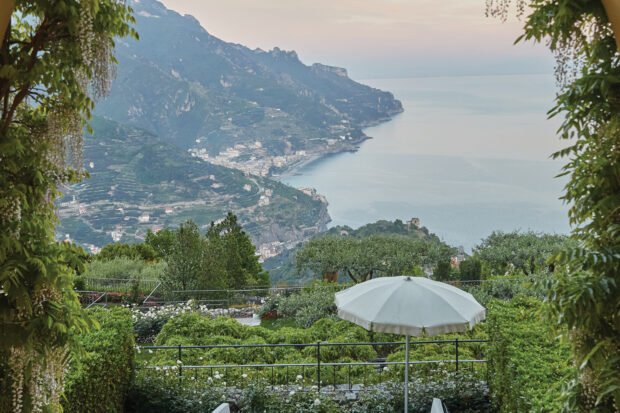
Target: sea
469,155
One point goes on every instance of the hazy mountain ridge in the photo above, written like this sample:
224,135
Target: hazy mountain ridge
184,84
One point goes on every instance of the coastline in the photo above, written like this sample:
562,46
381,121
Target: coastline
294,168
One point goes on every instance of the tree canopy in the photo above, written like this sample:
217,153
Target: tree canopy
224,258
142,251
520,251
365,258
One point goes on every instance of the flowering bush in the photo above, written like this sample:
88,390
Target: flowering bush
156,394
461,393
147,325
259,399
306,306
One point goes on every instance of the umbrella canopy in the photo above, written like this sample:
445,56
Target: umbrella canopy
412,306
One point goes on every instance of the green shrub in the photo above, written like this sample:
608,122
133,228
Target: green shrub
461,393
306,306
155,394
147,325
258,399
124,268
98,380
198,328
527,363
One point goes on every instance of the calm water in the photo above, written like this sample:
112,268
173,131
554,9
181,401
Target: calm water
468,156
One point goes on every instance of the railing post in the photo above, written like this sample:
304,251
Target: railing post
228,301
318,365
456,341
180,365
106,299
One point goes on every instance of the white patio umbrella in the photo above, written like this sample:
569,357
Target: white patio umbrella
412,306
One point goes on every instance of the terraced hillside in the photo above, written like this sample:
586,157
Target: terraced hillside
139,182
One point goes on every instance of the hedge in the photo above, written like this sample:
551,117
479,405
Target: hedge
527,363
99,378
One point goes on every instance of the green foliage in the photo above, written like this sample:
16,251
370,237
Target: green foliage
461,393
154,394
527,363
362,259
586,300
282,268
258,399
162,241
237,253
471,269
54,60
443,271
310,304
383,228
516,251
147,325
223,258
125,268
186,262
140,251
99,378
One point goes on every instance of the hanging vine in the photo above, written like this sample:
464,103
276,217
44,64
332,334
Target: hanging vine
55,61
585,300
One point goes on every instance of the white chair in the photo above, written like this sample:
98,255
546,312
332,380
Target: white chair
222,408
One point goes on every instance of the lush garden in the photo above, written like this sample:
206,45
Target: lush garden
527,364
525,369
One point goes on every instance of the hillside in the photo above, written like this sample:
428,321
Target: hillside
194,127
135,174
259,111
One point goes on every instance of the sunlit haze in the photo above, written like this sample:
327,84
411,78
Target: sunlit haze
376,38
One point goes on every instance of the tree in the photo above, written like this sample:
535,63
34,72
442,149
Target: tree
161,241
585,299
443,271
362,259
223,258
140,251
186,260
238,252
55,59
471,269
524,251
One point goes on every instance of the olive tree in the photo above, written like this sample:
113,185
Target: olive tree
55,60
362,259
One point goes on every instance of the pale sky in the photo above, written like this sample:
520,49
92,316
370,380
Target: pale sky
376,38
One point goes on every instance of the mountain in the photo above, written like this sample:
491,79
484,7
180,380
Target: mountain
139,182
194,127
260,111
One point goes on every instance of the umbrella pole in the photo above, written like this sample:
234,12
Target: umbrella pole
407,374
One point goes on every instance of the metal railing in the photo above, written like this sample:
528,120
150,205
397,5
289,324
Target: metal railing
228,298
119,285
380,365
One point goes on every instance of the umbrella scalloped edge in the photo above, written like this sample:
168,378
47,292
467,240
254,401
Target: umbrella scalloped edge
410,330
